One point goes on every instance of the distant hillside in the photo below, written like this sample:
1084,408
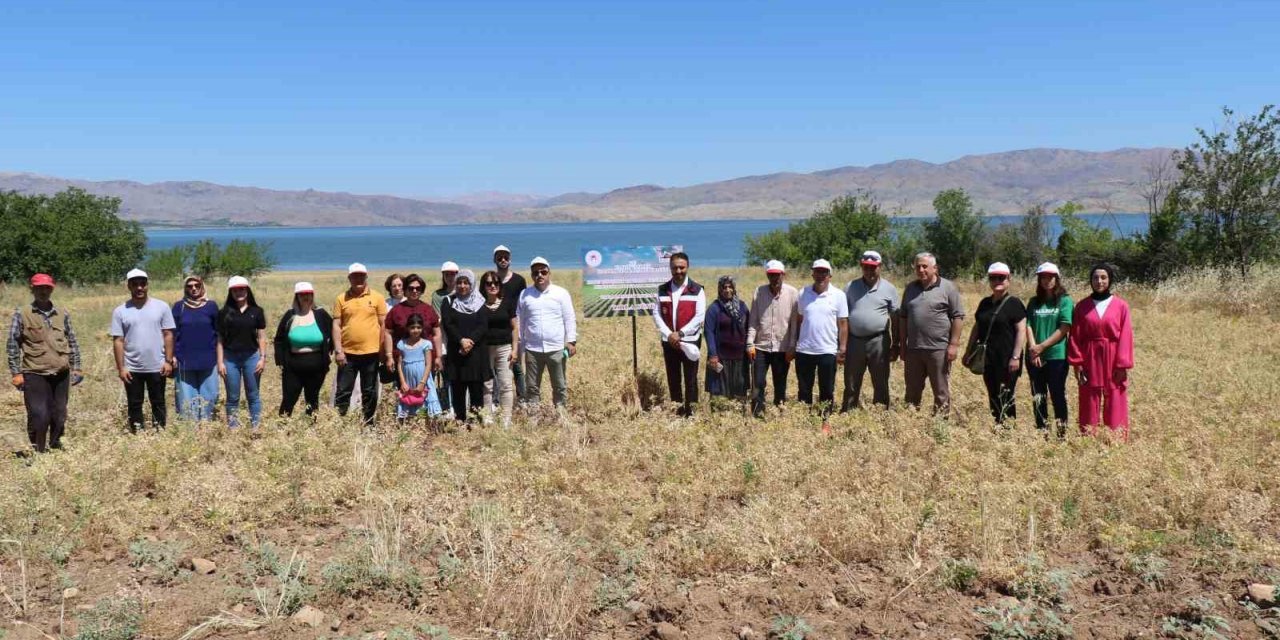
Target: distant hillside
1000,183
205,203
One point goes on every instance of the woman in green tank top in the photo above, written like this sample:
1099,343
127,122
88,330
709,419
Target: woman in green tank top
303,343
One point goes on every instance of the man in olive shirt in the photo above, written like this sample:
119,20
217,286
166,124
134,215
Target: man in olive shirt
931,318
873,333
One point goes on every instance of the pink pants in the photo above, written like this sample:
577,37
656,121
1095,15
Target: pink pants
1112,402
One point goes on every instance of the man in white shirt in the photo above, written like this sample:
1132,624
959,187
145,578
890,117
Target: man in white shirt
822,319
678,313
548,333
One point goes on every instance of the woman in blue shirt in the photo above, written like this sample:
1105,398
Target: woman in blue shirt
195,348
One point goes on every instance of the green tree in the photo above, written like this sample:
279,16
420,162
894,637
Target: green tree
247,258
954,236
839,232
206,258
1230,189
72,235
167,264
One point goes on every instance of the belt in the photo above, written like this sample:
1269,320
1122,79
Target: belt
874,335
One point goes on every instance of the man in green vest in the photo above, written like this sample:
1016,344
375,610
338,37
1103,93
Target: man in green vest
44,359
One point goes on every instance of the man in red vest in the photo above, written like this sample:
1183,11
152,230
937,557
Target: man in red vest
678,313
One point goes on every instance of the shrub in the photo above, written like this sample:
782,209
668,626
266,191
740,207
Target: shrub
164,557
788,627
958,575
1195,620
1018,620
111,619
356,572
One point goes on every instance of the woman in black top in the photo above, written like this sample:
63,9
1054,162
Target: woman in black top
466,363
242,346
502,343
303,343
1001,324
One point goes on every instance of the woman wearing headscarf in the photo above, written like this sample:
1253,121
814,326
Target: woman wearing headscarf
726,330
466,364
1100,351
195,346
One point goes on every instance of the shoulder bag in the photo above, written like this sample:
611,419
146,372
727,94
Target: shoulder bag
977,360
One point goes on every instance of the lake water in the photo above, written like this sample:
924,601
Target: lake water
709,243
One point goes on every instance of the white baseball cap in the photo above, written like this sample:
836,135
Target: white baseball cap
356,267
821,263
303,287
1047,267
998,269
540,260
136,273
237,281
871,258
449,265
501,247
775,266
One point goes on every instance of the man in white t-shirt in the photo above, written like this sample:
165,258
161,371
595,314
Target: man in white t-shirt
822,318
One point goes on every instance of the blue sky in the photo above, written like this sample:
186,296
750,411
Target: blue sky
422,98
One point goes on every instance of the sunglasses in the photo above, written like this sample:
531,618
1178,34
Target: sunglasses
541,272
489,284
413,287
194,285
997,278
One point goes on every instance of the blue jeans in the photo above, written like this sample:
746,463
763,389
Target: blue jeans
240,366
196,393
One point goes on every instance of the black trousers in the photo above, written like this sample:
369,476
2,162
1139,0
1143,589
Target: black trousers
1000,387
46,400
681,371
1049,382
774,362
303,375
152,384
466,393
365,367
823,367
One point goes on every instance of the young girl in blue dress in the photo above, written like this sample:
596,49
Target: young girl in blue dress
417,389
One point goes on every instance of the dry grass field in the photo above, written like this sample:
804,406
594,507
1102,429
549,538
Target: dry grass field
614,522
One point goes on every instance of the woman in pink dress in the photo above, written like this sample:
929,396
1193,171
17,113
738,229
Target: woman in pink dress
1100,351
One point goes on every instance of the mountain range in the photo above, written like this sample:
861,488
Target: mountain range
1000,183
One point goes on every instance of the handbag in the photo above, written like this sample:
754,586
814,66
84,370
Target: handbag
414,398
977,360
387,375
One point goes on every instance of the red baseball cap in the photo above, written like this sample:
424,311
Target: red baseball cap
42,280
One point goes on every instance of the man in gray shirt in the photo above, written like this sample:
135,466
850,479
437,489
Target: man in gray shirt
142,338
873,333
931,318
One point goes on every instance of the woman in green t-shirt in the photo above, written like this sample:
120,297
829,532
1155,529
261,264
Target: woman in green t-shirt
1048,323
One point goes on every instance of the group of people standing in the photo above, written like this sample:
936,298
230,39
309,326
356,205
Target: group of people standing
462,349
868,326
479,344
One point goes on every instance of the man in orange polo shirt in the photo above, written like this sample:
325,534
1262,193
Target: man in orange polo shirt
359,342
